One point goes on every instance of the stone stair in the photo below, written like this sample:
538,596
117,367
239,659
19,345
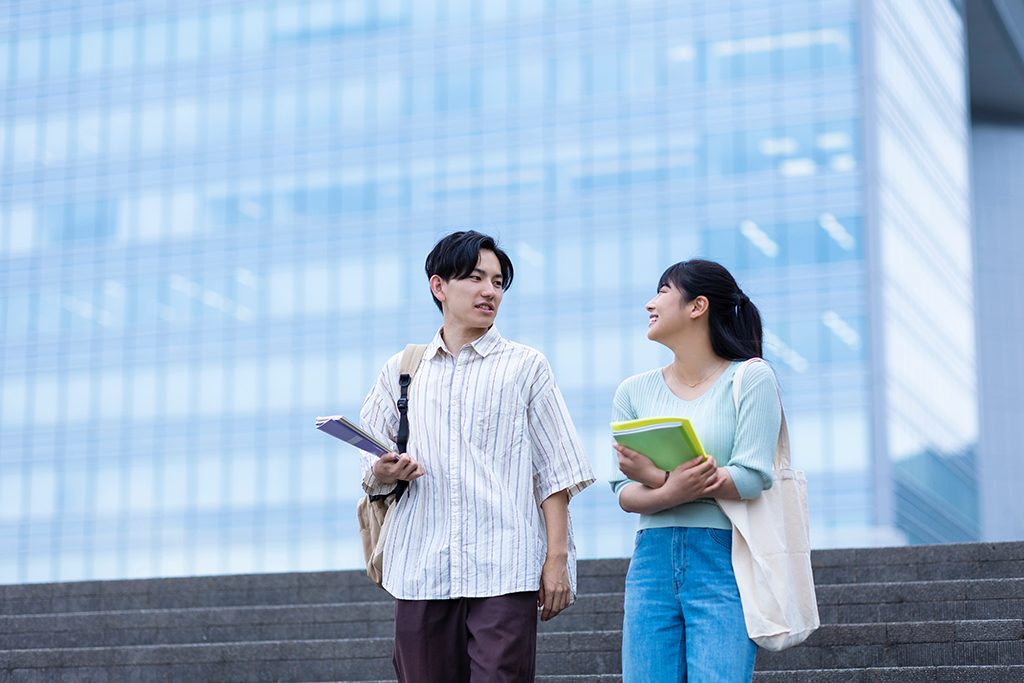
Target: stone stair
951,613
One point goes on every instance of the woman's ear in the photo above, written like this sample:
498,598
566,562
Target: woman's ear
699,306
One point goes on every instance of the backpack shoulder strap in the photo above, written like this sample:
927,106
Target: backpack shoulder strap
411,358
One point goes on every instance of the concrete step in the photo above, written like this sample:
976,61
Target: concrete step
903,674
579,678
924,644
933,610
843,603
304,588
915,644
900,601
314,660
919,563
839,604
862,565
308,588
252,624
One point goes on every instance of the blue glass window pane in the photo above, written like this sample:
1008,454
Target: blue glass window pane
642,69
28,63
494,86
58,64
154,44
91,52
221,34
122,47
604,75
254,28
5,62
188,32
353,103
531,81
568,82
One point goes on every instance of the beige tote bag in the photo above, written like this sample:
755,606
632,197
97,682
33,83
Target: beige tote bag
771,552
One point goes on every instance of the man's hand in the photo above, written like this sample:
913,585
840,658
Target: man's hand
554,587
639,467
391,467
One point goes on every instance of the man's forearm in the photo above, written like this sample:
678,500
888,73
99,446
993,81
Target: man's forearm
556,518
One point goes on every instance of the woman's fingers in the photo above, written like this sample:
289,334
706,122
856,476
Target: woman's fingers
628,452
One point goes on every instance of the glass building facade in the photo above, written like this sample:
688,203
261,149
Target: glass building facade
213,220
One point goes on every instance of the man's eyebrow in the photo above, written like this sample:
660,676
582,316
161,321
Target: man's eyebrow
481,271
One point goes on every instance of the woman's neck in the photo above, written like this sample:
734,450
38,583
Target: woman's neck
695,364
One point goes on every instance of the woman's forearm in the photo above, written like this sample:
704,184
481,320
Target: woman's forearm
639,498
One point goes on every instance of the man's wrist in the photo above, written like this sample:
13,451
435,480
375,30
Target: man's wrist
556,555
381,479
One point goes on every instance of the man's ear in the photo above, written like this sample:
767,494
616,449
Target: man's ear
437,287
699,306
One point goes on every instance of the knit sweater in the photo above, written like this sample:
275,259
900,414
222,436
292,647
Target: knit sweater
742,441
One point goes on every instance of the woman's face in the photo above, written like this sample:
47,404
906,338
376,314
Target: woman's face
667,313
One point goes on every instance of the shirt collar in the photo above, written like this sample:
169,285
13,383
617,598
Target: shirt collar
483,345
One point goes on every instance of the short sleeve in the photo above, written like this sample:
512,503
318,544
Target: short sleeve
379,418
558,459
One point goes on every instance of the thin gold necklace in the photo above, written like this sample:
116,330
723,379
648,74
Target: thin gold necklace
706,377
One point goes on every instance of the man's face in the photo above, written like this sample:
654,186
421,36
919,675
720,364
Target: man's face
473,301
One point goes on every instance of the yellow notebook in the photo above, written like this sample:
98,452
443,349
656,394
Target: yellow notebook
667,441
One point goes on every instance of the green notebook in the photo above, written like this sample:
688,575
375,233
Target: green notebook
667,441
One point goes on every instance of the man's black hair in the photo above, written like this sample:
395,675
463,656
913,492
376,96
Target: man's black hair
455,256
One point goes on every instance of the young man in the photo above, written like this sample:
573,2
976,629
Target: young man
481,539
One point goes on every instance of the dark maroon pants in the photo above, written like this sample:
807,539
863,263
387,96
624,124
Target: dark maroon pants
467,640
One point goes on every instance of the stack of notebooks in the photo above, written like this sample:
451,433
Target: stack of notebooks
667,441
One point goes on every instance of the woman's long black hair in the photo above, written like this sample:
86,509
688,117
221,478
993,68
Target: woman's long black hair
733,319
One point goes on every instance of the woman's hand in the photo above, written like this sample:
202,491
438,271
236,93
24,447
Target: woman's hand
723,486
639,467
391,467
696,478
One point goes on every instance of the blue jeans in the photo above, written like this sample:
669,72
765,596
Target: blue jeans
683,618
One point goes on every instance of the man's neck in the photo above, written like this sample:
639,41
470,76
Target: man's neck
456,336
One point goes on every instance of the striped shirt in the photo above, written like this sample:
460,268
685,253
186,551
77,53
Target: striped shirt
495,439
742,441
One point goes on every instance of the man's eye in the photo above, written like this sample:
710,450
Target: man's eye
497,283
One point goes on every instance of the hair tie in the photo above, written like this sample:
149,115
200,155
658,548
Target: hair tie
740,301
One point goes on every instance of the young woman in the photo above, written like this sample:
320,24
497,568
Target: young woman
683,618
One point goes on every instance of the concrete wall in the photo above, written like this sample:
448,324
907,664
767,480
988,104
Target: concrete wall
999,281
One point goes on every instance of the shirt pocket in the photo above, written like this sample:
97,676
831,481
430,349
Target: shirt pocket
494,423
